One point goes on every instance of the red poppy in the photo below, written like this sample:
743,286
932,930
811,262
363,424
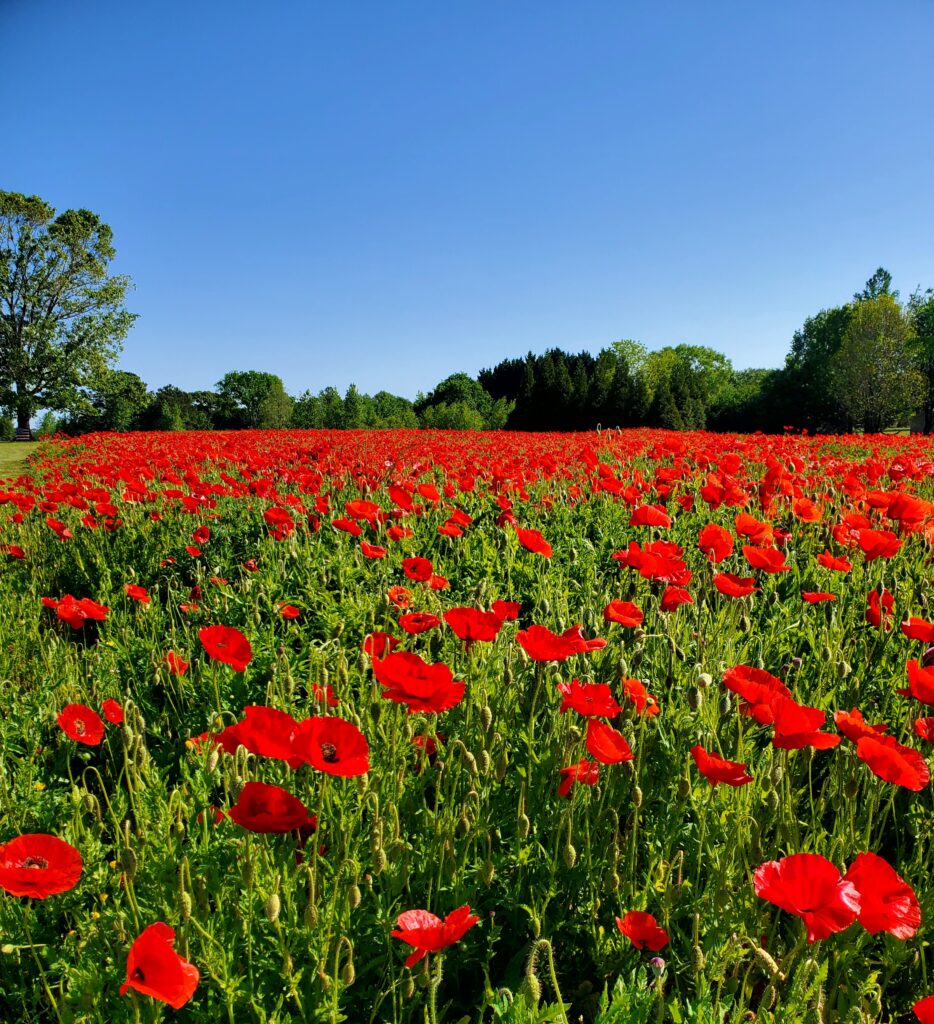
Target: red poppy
267,732
175,663
830,561
471,625
193,551
59,529
407,679
372,550
880,608
38,865
757,689
81,723
360,508
347,526
138,593
437,582
650,515
767,559
588,699
379,644
717,769
325,694
854,726
586,772
269,809
201,535
227,644
332,745
428,934
759,532
642,930
76,611
542,645
289,611
809,886
533,541
924,1010
924,727
605,744
877,544
417,569
673,597
113,712
731,585
920,683
508,611
644,701
797,726
918,629
13,550
887,901
893,762
155,969
624,612
399,596
418,622
817,596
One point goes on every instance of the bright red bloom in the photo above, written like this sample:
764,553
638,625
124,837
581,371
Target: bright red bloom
650,515
673,597
193,551
325,694
533,541
418,622
13,550
924,1010
471,625
269,809
809,886
731,585
155,969
289,611
880,608
175,663
644,701
379,644
227,644
201,535
624,612
332,745
138,593
893,762
399,596
877,544
854,726
81,723
715,542
767,559
642,930
588,699
407,679
113,712
717,769
76,611
797,726
427,933
508,611
372,550
38,865
830,561
887,901
267,732
759,532
417,569
542,645
817,596
918,629
924,727
347,526
586,772
757,689
920,683
605,744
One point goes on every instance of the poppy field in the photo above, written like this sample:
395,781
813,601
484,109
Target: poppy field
413,726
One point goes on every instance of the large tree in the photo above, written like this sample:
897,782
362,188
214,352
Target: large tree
253,398
62,318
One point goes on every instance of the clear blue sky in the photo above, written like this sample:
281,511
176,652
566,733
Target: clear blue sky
389,192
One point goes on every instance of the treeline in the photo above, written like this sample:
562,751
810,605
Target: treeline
865,365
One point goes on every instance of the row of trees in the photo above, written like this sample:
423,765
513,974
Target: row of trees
865,365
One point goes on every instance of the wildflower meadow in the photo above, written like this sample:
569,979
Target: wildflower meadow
421,726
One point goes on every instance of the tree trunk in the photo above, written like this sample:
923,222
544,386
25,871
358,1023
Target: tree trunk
23,430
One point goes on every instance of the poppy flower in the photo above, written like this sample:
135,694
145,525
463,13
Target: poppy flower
471,625
332,745
76,611
267,732
428,934
757,688
759,532
817,596
13,551
918,629
674,597
924,727
877,544
542,645
175,663
831,561
201,535
436,582
155,969
372,550
228,645
586,772
854,726
650,515
809,886
407,679
360,508
533,541
138,593
399,596
288,611
797,726
893,762
924,1010
38,865
880,608
624,612
113,712
417,569
920,683
642,930
731,585
195,552
767,559
605,744
59,529
418,622
81,723
887,901
379,644
588,699
644,701
508,611
269,809
717,769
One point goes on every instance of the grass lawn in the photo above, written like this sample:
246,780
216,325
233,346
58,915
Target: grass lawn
13,456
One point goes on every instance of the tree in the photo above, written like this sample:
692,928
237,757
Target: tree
252,398
920,310
62,319
874,376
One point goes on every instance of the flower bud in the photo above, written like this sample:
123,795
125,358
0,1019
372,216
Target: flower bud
570,855
486,717
524,826
273,906
637,796
354,896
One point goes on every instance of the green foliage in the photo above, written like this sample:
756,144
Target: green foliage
7,430
48,425
253,399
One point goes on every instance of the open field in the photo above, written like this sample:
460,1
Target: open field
13,455
642,718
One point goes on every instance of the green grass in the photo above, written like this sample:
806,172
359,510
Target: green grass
13,455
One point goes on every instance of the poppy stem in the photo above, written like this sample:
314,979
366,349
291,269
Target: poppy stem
35,956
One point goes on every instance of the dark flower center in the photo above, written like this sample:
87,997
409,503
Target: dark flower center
35,862
137,974
329,752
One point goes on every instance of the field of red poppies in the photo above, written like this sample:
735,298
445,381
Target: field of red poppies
423,727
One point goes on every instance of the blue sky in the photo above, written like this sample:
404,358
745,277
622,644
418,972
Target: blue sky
386,193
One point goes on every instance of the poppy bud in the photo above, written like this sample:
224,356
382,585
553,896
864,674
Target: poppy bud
380,862
463,825
637,659
695,698
774,801
273,906
127,736
704,680
354,896
777,774
348,974
637,796
212,761
570,855
311,915
246,872
546,606
524,826
128,862
184,905
851,788
614,882
684,788
408,988
486,717
533,988
485,762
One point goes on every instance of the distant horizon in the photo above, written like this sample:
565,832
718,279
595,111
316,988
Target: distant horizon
385,196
